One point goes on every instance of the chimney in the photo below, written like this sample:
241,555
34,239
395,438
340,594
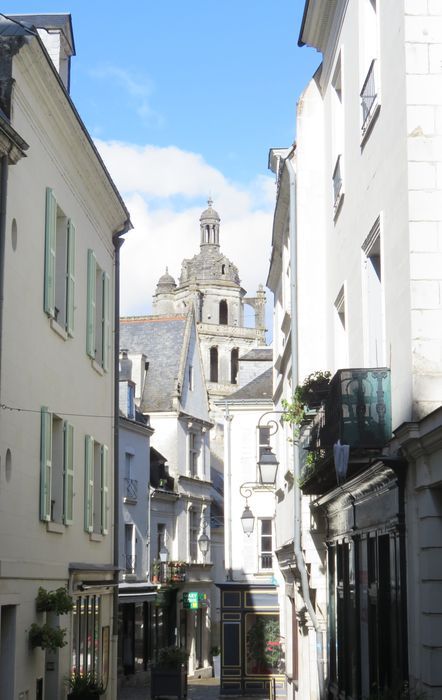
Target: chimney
127,387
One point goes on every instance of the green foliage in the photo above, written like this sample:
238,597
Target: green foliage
215,650
81,685
307,394
171,657
46,636
58,601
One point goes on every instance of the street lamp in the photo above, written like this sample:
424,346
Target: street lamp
203,539
163,554
267,471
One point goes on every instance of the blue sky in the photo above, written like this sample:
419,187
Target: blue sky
184,100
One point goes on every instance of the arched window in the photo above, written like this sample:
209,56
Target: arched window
223,312
223,269
213,364
234,366
207,234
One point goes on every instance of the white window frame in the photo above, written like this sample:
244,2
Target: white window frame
263,552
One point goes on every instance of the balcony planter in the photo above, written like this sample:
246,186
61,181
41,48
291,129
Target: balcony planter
169,675
84,686
58,601
46,637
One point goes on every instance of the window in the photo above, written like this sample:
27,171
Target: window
161,537
368,47
234,365
129,548
213,364
190,377
193,454
265,544
373,298
96,487
263,439
131,485
86,642
193,534
340,330
337,114
98,319
57,469
59,277
223,312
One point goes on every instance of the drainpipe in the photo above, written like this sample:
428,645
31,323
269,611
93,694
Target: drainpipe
299,555
117,242
3,192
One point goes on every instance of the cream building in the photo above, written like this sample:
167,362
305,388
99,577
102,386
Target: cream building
62,219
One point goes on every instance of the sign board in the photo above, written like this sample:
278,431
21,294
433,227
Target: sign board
194,600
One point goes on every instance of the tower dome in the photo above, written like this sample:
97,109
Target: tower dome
209,224
166,283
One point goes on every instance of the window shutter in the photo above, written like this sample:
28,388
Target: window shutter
45,464
106,321
90,330
104,489
68,463
70,281
50,239
89,484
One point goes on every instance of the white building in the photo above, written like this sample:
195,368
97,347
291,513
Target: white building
363,240
60,233
165,351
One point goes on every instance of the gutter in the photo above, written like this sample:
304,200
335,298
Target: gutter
299,555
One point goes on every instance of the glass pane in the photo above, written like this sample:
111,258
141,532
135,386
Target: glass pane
263,644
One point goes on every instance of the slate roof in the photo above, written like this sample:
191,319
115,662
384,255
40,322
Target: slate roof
258,354
15,27
259,388
161,339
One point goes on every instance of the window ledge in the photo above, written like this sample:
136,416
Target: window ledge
58,528
58,329
97,367
95,537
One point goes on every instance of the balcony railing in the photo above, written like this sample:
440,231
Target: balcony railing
131,563
357,412
337,183
266,561
131,489
368,97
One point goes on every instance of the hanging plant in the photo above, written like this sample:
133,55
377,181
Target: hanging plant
58,601
309,394
47,637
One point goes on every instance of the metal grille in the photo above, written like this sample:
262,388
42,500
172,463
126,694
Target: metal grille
368,97
131,489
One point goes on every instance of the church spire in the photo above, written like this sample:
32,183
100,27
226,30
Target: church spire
209,226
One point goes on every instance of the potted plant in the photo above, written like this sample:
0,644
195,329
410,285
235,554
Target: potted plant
216,656
84,686
46,636
309,394
58,601
169,674
156,568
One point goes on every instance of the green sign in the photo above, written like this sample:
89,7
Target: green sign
194,600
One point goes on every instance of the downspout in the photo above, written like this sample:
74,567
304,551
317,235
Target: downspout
117,242
300,562
3,197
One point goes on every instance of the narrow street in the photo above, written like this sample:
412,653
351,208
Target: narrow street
198,689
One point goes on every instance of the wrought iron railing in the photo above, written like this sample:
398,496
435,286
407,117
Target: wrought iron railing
357,410
131,563
266,561
337,182
131,489
368,96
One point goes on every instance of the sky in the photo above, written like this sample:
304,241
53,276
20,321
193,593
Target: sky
184,101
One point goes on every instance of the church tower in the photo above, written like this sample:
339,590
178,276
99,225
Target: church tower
210,282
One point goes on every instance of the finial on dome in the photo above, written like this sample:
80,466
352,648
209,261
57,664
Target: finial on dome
210,201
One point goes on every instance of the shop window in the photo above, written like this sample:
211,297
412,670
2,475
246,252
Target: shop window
86,641
263,644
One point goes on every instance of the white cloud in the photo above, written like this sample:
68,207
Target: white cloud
139,88
165,190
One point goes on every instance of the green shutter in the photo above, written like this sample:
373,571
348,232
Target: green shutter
91,303
89,484
68,465
106,321
104,490
70,281
50,241
45,464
